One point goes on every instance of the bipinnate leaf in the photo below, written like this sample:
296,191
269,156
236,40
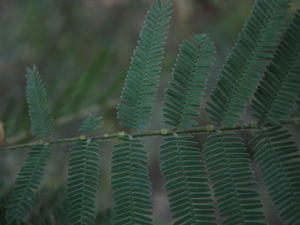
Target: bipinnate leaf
83,175
279,162
278,92
230,173
181,162
248,61
39,112
183,98
31,173
90,124
83,182
27,184
186,182
141,82
131,184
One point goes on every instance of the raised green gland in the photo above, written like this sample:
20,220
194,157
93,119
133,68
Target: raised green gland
82,137
253,125
164,131
121,134
210,128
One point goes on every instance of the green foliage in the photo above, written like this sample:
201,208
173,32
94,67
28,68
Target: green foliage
248,61
130,181
90,124
233,182
181,162
277,93
41,119
279,162
190,75
142,77
83,182
186,181
29,178
27,184
197,179
131,185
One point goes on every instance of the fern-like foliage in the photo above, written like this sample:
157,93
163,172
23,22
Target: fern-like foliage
131,184
90,124
83,182
190,75
27,184
40,116
181,161
29,178
142,77
233,183
186,181
279,163
278,92
248,61
130,180
206,186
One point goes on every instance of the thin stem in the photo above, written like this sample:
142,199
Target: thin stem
156,133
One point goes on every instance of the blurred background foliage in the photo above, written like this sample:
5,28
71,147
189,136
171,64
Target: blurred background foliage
82,49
